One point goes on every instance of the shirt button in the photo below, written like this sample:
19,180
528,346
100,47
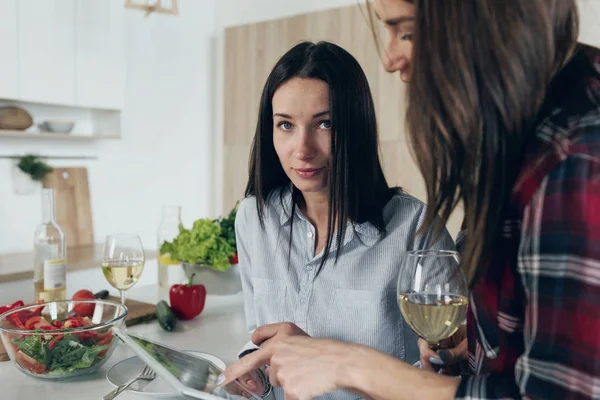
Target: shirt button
310,235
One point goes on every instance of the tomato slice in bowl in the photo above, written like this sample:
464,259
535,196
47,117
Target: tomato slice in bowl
29,363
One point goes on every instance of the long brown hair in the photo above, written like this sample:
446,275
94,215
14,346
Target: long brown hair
480,73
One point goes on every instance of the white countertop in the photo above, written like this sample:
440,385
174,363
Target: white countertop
219,330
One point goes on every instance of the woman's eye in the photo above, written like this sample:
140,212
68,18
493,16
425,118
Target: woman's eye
286,126
325,125
407,36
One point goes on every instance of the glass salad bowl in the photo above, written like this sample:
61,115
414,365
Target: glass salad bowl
61,339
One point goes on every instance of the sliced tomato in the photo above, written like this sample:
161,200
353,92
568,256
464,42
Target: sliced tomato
38,322
29,363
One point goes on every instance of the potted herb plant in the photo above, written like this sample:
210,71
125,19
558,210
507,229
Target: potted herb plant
206,251
27,172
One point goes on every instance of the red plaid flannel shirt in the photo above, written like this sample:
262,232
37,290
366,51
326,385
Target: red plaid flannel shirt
534,320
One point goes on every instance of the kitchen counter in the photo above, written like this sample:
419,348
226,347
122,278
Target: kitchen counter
219,330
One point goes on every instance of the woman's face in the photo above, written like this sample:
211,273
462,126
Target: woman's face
302,132
398,18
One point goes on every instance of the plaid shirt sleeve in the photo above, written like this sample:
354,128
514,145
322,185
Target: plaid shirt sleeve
559,268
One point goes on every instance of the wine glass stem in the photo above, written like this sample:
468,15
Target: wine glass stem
122,296
432,345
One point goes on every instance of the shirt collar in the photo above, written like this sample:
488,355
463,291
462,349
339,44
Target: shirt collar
366,231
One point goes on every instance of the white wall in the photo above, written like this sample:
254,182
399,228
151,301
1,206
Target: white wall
164,155
240,12
589,11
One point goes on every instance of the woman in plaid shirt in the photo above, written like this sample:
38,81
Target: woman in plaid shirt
504,115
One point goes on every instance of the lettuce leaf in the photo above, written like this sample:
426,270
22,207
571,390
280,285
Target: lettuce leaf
33,346
69,355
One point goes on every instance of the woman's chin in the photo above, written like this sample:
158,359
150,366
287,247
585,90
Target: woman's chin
310,187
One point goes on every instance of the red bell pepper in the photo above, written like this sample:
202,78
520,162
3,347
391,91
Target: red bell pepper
86,335
53,342
58,324
38,322
12,306
104,338
17,320
187,301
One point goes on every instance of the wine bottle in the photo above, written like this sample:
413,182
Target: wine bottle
50,253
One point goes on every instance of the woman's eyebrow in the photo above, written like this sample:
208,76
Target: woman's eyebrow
398,20
320,114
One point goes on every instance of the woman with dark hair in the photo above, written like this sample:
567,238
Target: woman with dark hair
320,232
503,115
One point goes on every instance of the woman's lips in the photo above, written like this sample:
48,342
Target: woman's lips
308,172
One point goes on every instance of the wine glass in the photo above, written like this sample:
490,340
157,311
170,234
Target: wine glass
432,294
123,261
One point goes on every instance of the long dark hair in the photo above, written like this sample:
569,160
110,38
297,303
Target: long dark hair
358,190
480,74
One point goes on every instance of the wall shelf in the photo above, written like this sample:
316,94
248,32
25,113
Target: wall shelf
54,136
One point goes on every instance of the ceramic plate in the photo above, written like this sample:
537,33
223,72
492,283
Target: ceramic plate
157,388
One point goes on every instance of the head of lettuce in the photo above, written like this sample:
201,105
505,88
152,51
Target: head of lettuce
204,244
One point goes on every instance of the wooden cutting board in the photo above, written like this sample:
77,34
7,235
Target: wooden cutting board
73,207
138,312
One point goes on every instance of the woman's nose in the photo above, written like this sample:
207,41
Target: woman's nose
395,59
304,146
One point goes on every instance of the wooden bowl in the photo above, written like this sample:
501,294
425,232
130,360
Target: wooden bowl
14,118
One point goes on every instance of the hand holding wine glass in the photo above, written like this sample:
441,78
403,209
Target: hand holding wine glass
432,294
123,261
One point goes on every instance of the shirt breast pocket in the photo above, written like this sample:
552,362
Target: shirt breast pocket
269,300
371,318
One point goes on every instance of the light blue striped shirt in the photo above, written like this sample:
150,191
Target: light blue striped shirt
353,300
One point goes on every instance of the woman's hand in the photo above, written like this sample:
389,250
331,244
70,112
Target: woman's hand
304,367
276,332
451,353
252,380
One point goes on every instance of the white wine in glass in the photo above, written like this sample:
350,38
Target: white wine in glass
123,261
432,294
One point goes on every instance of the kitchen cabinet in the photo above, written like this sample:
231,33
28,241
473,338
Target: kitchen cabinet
9,67
99,54
46,51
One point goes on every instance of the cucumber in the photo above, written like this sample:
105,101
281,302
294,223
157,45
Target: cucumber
102,295
165,316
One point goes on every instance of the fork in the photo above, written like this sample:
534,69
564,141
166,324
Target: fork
146,375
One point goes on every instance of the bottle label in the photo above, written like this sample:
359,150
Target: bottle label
54,274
